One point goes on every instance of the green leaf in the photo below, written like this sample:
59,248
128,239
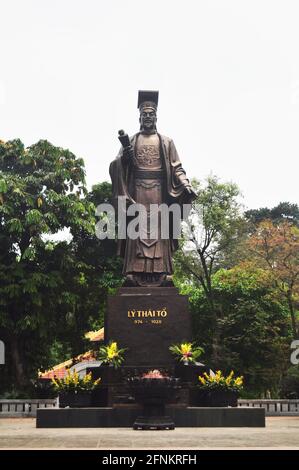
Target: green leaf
33,217
15,225
3,186
29,253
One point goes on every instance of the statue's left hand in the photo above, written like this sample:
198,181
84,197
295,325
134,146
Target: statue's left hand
190,191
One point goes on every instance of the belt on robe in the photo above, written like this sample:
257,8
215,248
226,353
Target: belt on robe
149,174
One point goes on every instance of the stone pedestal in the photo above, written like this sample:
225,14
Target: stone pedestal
147,321
118,417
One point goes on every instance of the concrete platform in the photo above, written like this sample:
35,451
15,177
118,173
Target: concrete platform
125,417
21,433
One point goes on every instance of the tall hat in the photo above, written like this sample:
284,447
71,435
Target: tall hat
148,98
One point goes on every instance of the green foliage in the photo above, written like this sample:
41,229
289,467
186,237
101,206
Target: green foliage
283,211
219,381
111,354
214,224
73,383
51,292
240,316
186,352
252,326
59,351
275,247
290,383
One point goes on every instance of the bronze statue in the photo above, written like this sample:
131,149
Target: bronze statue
148,171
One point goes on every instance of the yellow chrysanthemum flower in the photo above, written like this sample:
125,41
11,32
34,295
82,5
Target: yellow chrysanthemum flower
186,348
55,383
239,381
111,354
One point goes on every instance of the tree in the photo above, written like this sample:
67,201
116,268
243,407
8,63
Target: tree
51,292
213,227
95,272
253,329
283,211
239,252
214,224
42,192
275,247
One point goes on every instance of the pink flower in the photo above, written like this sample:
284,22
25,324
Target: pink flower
153,374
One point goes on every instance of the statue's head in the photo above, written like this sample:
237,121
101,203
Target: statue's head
147,104
148,118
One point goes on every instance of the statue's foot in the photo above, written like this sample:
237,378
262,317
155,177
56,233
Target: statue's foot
167,281
130,281
148,280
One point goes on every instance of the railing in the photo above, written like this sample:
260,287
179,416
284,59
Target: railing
23,408
273,407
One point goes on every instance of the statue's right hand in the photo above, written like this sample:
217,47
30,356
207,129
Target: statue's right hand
128,153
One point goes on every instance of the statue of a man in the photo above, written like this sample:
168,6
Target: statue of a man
149,172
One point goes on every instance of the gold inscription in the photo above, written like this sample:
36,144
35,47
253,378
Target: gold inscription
136,314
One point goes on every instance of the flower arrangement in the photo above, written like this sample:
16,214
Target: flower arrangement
186,352
73,383
219,381
112,354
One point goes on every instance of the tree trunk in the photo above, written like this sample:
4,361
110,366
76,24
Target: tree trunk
17,362
293,314
216,348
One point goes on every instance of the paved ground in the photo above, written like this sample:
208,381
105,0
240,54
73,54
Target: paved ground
280,432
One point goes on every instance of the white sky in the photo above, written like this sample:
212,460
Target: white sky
227,72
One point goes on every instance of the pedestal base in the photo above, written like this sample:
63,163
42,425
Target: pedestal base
126,416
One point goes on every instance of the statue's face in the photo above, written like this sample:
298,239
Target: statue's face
148,119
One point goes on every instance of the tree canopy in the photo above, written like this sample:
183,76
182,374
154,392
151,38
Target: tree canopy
50,290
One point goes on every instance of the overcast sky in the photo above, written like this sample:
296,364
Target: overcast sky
227,72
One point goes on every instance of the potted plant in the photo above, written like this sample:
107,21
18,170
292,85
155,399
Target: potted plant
153,390
112,358
74,391
220,390
187,368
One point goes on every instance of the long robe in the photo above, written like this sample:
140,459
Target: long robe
174,186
